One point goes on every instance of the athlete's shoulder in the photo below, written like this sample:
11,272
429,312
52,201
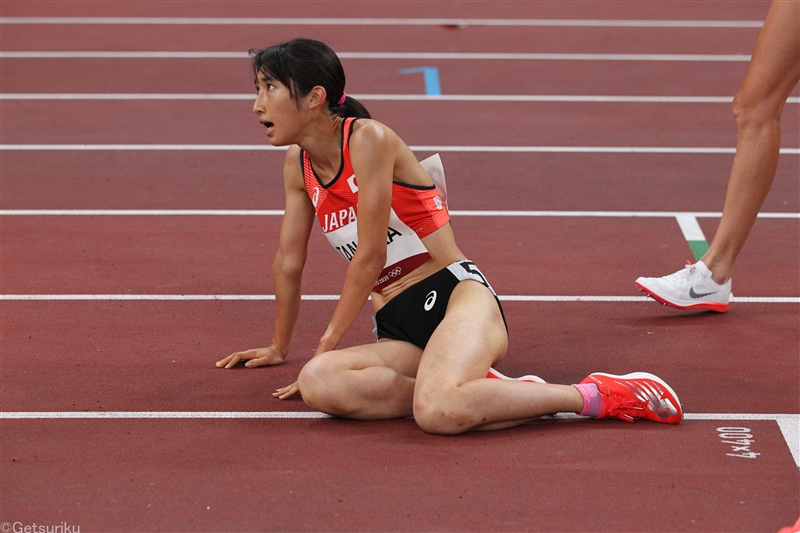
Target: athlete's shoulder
293,153
372,134
292,165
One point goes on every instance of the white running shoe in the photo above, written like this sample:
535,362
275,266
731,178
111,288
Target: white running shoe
690,288
494,374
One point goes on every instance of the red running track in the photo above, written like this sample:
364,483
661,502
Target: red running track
299,474
252,181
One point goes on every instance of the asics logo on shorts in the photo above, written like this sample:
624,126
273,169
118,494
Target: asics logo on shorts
430,300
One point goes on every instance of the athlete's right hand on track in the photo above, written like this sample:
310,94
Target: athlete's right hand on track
270,355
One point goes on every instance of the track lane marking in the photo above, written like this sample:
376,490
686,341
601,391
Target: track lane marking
419,148
58,415
444,56
789,423
465,213
386,21
333,297
693,234
395,97
30,415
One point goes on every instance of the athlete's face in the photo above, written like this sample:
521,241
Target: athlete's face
276,109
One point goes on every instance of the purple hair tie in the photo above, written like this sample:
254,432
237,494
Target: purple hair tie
342,99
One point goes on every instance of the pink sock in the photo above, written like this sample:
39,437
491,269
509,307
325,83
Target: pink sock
593,403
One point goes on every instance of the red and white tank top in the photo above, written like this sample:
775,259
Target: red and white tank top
416,211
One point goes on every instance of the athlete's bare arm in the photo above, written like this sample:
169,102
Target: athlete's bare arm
372,155
287,269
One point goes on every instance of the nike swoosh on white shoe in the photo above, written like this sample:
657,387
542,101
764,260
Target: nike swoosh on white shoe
695,295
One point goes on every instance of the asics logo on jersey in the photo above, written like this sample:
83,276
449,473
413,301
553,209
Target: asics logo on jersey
430,300
695,295
647,392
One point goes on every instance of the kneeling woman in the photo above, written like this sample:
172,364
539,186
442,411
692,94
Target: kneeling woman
440,325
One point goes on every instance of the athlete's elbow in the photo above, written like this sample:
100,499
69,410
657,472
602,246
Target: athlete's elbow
372,261
288,265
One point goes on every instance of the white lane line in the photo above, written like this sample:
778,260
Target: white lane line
690,227
324,297
395,97
141,212
135,147
789,423
477,56
156,297
456,213
55,415
59,415
318,21
419,148
790,427
736,299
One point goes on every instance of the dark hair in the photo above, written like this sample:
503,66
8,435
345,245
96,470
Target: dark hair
302,64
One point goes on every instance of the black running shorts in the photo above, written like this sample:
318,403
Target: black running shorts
414,314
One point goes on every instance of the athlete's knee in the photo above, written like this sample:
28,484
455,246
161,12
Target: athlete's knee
438,411
319,385
752,108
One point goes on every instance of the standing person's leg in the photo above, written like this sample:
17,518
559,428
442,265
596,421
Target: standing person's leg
773,73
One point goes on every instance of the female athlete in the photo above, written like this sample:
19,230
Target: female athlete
440,326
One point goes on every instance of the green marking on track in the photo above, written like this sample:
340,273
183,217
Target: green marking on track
699,248
693,234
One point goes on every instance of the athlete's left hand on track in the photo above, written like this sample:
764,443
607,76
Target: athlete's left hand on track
254,358
286,392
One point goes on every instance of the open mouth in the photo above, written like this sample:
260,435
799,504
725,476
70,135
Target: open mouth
269,126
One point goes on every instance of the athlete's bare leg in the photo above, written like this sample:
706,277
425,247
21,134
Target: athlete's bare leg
772,75
370,382
445,388
452,394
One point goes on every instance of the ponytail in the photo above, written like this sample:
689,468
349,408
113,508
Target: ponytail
350,108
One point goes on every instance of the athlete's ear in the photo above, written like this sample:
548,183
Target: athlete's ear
317,96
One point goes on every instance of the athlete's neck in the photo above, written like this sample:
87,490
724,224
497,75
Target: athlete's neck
323,144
